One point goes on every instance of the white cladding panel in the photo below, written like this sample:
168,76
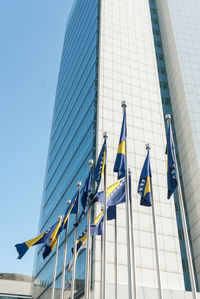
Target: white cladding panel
128,71
149,293
180,29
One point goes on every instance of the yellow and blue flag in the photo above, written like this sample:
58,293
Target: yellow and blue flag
80,241
96,227
115,194
86,190
171,165
22,248
101,162
144,186
52,240
84,198
120,161
71,209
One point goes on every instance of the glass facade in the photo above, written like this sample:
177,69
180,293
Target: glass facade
167,109
72,141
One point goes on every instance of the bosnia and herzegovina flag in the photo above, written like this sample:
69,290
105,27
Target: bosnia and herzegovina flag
115,194
101,162
71,209
96,227
120,161
84,197
86,190
80,241
22,248
171,165
144,186
52,240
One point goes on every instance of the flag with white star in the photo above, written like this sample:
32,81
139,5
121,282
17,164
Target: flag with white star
171,165
144,186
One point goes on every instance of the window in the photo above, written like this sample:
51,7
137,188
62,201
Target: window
162,70
180,234
154,21
158,44
185,265
153,10
164,85
156,32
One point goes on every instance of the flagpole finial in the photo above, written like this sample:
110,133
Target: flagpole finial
78,184
167,117
148,147
60,217
123,104
68,202
129,171
91,162
105,135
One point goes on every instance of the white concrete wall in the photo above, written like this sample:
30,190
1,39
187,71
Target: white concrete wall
152,293
180,29
128,71
14,287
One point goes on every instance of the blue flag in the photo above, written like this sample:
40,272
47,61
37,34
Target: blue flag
22,248
86,190
115,194
75,203
101,162
80,241
144,186
171,165
120,161
96,227
52,240
72,208
84,198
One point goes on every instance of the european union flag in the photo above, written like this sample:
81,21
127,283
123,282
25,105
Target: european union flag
43,238
171,165
120,161
144,186
52,240
115,194
101,162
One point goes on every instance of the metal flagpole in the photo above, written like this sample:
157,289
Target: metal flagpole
87,278
55,265
75,249
116,256
183,218
130,288
90,263
104,226
64,259
132,243
101,285
155,235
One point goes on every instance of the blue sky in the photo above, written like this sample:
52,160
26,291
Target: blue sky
32,34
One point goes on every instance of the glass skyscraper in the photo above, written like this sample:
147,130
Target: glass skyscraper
125,50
